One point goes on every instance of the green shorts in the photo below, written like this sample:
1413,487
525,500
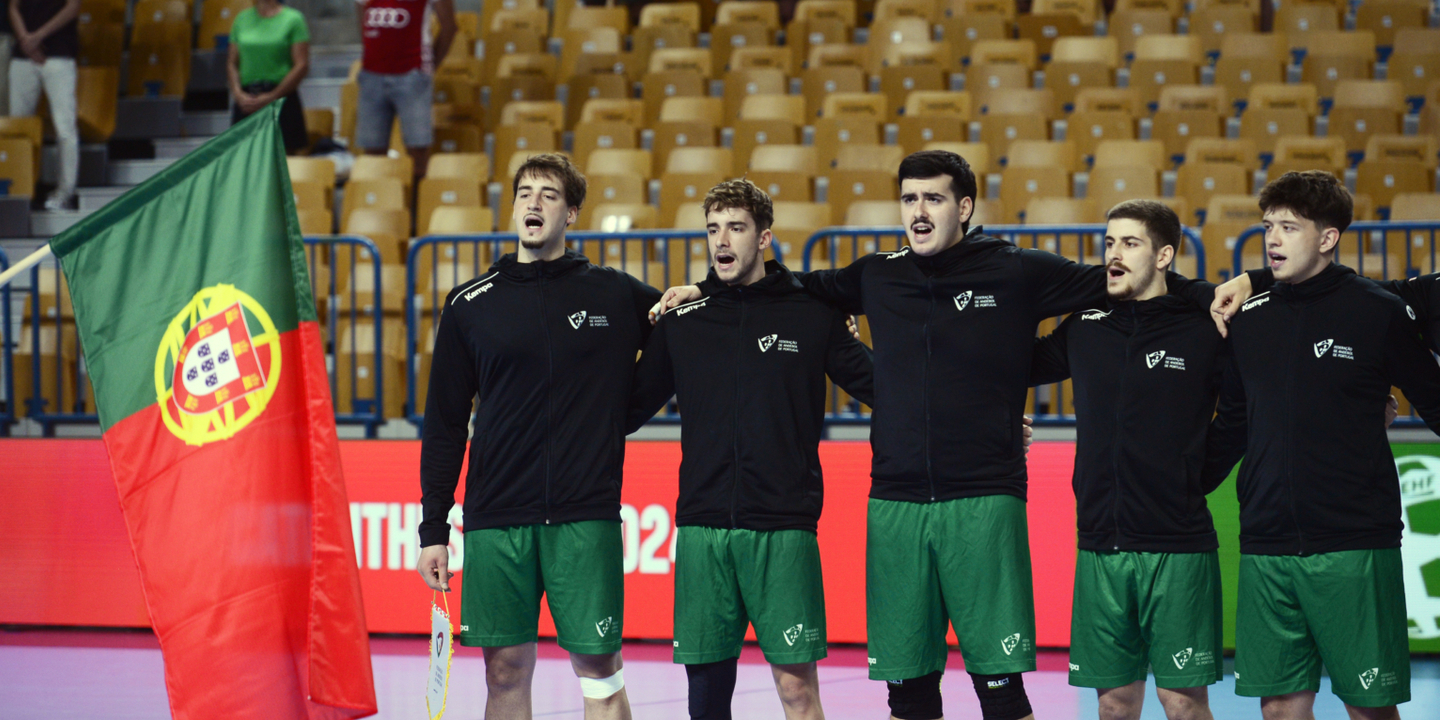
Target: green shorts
578,567
1134,609
965,562
727,579
1345,609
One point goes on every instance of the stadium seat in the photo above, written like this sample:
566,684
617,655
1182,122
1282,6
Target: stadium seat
370,167
1238,151
842,10
740,84
1128,26
795,222
1382,180
762,58
1274,111
872,106
724,38
657,87
1036,169
581,17
1336,56
312,170
1308,153
387,227
683,14
897,82
216,17
873,213
767,119
1046,27
158,70
1407,148
701,160
610,189
1081,62
1385,18
931,116
1164,60
757,11
1247,59
1017,115
1226,217
899,31
801,35
1214,23
849,186
961,32
786,172
1415,206
1113,184
1131,153
1124,100
1366,107
977,155
312,195
17,166
817,83
1087,129
473,166
1296,20
678,190
614,161
1198,181
375,194
101,35
1187,112
438,192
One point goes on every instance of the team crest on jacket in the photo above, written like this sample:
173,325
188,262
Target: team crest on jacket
1153,358
577,319
962,300
217,366
1323,347
767,341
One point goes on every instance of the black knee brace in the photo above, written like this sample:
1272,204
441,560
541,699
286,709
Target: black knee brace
916,698
711,687
1002,697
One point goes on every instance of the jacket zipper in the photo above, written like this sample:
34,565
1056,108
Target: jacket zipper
549,388
1290,433
925,388
1114,446
735,432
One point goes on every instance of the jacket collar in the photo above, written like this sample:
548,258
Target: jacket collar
1327,281
510,266
974,243
778,280
1154,307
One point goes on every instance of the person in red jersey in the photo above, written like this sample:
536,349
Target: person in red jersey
397,72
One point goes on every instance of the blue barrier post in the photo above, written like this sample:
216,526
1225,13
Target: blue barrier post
7,359
367,411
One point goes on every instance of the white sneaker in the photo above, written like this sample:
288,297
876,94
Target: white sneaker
59,201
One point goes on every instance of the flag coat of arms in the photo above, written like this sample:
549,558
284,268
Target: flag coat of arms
193,305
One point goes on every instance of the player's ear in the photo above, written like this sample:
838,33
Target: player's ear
766,238
1164,257
1329,239
571,215
967,209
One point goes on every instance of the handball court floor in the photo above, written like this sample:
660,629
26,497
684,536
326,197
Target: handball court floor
55,674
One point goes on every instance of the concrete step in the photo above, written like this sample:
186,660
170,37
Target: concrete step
171,148
46,223
134,172
142,117
202,124
93,157
94,198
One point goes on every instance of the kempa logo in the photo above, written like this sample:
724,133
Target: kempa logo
479,290
1154,358
1368,677
962,300
1008,644
1074,667
603,626
1323,347
1095,315
901,253
792,634
577,319
688,308
1255,302
1182,657
766,342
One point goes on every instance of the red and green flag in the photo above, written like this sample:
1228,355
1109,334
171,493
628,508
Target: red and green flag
192,300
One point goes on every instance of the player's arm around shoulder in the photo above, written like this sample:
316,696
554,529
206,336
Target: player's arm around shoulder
848,361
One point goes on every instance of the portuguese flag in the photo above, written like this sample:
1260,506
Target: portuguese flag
192,300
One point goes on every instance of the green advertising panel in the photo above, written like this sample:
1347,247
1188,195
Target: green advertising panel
1419,468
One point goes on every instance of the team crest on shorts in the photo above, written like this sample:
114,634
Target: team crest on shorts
1009,643
1368,677
217,366
1182,657
792,634
603,626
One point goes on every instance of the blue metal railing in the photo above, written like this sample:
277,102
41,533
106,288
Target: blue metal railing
65,402
437,263
338,264
1379,250
1082,243
7,359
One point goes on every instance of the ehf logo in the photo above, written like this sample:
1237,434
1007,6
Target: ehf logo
792,633
962,300
766,342
1182,657
1009,643
1323,347
1154,358
577,319
1420,541
217,366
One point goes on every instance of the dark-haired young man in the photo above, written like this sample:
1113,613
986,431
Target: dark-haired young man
1320,573
748,365
548,342
953,318
1146,368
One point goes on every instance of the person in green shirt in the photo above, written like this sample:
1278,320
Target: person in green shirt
269,55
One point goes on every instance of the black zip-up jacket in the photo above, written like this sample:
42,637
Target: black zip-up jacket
1315,362
953,334
747,365
1146,375
550,348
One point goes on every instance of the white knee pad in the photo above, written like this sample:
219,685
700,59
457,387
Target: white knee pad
602,688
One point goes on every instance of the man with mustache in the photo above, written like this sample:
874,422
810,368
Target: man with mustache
748,365
548,342
953,318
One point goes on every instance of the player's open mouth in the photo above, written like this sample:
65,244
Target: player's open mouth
1276,260
921,230
534,222
723,260
1116,271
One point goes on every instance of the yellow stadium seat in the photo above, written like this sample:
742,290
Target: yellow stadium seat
17,166
441,192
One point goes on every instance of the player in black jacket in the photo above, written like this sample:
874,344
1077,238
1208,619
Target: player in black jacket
1146,369
1320,572
748,365
953,318
548,342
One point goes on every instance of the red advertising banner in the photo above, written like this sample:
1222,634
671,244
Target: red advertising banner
65,558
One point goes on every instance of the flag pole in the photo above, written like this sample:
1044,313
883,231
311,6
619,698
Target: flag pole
30,261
